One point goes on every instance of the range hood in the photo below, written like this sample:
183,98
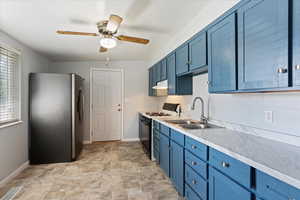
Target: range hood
162,85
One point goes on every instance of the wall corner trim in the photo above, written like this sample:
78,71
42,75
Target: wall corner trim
14,174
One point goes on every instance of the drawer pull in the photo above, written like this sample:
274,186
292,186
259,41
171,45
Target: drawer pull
194,163
194,182
225,164
297,67
194,147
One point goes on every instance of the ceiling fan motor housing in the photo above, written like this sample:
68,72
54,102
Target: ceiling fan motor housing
102,28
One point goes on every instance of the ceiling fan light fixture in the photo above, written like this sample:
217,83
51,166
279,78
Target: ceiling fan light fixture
108,42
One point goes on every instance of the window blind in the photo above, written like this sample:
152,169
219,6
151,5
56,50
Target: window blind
9,86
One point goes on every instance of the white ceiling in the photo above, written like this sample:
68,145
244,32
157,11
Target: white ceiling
34,22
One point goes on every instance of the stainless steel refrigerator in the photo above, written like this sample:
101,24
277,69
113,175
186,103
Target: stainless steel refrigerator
55,117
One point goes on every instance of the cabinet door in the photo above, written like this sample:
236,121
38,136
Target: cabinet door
157,71
222,55
171,74
182,56
263,44
198,52
151,81
220,186
163,70
164,153
296,42
177,166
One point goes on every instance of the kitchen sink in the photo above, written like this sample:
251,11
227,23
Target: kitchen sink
195,126
183,121
178,121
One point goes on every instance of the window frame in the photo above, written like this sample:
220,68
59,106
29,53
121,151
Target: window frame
19,118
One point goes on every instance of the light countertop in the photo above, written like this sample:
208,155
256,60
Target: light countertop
277,159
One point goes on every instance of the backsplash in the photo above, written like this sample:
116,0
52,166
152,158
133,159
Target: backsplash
245,112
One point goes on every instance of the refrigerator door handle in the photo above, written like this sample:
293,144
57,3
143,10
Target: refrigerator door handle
73,117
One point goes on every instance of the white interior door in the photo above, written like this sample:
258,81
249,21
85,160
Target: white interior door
106,105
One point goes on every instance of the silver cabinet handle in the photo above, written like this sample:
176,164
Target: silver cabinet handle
225,164
194,163
194,182
297,67
194,147
282,70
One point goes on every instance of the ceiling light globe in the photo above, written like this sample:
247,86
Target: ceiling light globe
108,42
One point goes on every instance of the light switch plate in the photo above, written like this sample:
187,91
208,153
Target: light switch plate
269,116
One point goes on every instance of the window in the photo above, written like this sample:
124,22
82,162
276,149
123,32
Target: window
9,86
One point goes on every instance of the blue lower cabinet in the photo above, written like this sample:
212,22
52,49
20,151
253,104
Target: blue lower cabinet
233,168
190,194
177,167
197,148
156,155
196,182
196,164
270,188
223,188
164,153
177,137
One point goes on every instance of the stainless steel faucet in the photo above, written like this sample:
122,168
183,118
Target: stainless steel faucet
203,119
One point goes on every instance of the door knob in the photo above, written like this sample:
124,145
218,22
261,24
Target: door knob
282,70
225,164
119,109
119,104
297,67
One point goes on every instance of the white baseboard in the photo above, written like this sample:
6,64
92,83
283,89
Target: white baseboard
14,173
130,139
87,142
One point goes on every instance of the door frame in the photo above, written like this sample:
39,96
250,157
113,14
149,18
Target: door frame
93,69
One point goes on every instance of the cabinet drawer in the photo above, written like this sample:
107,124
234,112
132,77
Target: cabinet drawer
233,168
177,137
196,148
165,130
190,194
270,188
155,125
196,182
197,164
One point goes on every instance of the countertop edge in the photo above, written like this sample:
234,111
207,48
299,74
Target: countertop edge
272,172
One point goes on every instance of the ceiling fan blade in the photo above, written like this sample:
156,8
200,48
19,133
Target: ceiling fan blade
102,50
132,39
76,33
114,23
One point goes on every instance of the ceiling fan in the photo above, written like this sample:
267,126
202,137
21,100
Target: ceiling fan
107,30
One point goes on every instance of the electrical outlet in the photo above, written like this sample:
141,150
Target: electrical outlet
269,116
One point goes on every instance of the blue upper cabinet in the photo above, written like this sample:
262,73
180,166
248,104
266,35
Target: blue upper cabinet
221,187
263,44
157,69
151,91
198,52
182,59
296,43
171,74
163,69
222,55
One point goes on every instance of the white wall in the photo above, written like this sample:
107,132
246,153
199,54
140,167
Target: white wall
136,90
14,139
243,112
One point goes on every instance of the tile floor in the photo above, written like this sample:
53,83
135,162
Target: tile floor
104,171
